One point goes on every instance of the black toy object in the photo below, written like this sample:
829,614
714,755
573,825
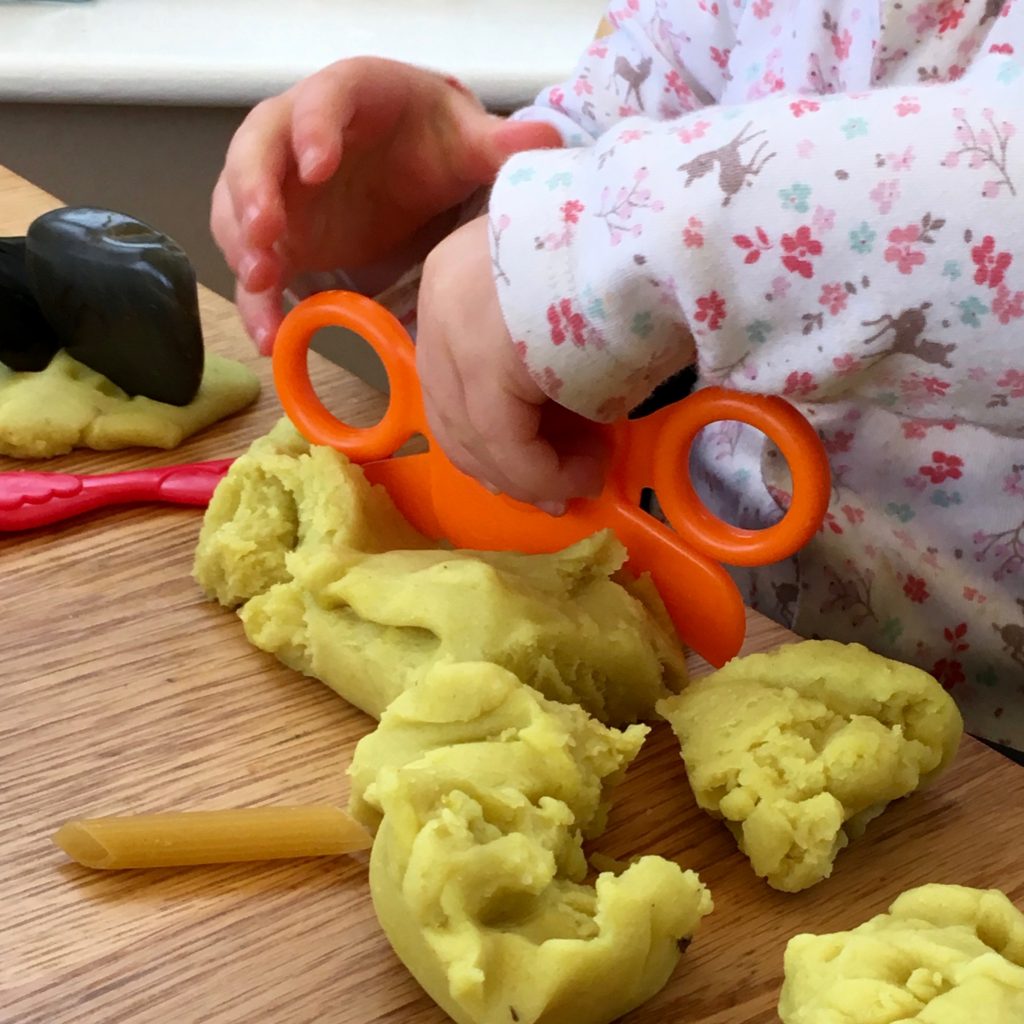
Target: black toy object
27,342
119,295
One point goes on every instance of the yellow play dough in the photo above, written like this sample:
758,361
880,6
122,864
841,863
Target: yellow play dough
943,954
329,577
798,749
67,406
480,790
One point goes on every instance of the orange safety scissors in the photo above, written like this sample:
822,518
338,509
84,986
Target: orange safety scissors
653,452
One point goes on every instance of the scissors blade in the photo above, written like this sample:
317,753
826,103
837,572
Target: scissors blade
407,480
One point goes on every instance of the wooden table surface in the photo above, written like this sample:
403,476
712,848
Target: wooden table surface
124,691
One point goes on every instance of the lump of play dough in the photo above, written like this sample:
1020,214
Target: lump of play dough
798,749
332,580
481,789
943,954
67,406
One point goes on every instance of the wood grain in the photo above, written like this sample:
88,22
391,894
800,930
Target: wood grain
124,691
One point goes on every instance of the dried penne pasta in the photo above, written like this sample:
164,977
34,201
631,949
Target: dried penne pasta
211,837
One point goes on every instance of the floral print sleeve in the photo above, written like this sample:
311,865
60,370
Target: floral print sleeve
644,62
843,227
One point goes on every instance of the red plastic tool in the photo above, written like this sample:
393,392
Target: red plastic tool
28,500
442,502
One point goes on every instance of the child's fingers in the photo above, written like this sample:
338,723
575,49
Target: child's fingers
321,109
488,141
257,160
505,440
261,313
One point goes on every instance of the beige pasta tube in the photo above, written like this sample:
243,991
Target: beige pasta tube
211,837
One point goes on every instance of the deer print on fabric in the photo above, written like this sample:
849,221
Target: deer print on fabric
907,328
1012,636
634,77
733,173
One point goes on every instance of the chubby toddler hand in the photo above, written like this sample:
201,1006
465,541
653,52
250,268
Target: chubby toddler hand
483,407
350,167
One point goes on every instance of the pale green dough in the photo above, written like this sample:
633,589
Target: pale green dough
943,954
480,791
68,406
333,581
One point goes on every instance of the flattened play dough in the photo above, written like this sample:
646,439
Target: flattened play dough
477,868
943,954
329,577
67,406
798,749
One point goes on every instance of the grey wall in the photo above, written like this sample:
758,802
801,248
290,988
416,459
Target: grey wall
157,163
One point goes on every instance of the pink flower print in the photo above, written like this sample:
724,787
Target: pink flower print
571,211
755,246
762,9
1014,380
901,251
548,381
916,589
598,48
720,57
780,286
805,149
1008,305
674,83
908,105
841,44
977,373
948,672
992,265
800,248
950,15
845,364
799,383
914,430
901,161
582,86
853,514
884,194
710,310
801,107
1013,483
632,135
692,236
834,297
565,322
923,19
823,220
556,97
1006,48
694,131
943,467
839,442
916,388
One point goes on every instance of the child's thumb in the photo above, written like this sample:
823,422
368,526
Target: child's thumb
497,139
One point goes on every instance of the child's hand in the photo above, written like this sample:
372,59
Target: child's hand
485,410
344,169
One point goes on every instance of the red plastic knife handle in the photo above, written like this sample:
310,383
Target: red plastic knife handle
28,500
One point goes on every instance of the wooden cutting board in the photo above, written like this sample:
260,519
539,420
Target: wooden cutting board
123,691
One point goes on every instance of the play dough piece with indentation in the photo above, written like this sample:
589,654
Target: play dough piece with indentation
68,406
943,954
798,749
480,790
329,577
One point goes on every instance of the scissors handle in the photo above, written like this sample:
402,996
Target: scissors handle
382,331
655,452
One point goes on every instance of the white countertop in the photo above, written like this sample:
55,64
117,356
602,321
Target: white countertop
235,52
